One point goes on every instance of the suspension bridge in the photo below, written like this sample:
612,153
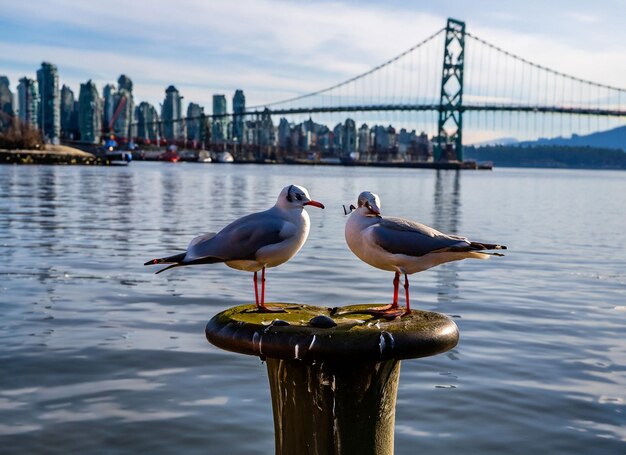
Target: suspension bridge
450,83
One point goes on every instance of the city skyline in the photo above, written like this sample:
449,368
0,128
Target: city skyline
274,49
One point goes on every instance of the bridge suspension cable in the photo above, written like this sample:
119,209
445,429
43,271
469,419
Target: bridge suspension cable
355,78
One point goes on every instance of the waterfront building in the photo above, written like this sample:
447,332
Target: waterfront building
308,135
147,123
323,139
380,140
69,114
89,113
28,101
363,140
122,117
392,139
337,138
239,109
124,83
405,141
267,133
50,102
171,114
219,132
108,108
260,132
348,142
294,139
304,137
424,148
284,134
6,104
195,124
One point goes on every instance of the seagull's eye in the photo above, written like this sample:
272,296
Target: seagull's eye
298,197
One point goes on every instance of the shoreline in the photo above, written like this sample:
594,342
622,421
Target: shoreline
64,155
51,154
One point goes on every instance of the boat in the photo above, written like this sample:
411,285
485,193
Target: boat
170,155
114,156
119,157
224,157
204,157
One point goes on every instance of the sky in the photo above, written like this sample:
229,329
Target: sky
276,49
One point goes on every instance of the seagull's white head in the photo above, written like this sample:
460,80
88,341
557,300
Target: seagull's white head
368,204
294,196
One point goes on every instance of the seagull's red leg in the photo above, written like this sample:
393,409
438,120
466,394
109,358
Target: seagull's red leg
396,285
263,288
406,293
256,290
260,302
387,311
391,311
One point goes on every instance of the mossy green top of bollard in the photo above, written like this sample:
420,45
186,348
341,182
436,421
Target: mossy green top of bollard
312,333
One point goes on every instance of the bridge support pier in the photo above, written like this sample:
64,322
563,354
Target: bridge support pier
450,124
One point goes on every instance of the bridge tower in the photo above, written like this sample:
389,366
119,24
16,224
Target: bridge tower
450,125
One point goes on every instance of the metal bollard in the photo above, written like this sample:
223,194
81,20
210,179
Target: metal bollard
333,372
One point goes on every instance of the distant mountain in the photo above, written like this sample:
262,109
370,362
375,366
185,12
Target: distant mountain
610,139
551,156
499,141
602,150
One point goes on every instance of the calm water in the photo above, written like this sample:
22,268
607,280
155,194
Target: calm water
98,354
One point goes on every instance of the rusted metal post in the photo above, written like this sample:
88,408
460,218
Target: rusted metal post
333,373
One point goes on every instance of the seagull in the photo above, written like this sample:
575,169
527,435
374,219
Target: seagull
403,246
254,242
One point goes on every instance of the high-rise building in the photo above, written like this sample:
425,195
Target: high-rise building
363,139
125,83
6,103
171,114
195,123
348,143
267,133
122,116
108,93
338,137
50,104
284,134
69,114
323,139
218,128
28,101
147,123
89,113
239,109
424,148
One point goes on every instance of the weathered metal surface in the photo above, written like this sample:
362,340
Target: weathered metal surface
356,336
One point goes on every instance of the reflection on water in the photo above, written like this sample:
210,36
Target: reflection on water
98,354
447,201
447,215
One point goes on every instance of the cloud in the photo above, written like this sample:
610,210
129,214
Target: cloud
584,18
267,47
272,49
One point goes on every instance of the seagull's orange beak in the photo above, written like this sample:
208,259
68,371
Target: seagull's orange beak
315,204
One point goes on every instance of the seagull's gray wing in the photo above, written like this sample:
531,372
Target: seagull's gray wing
400,236
240,240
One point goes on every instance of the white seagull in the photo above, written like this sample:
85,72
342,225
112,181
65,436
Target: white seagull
404,246
254,242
